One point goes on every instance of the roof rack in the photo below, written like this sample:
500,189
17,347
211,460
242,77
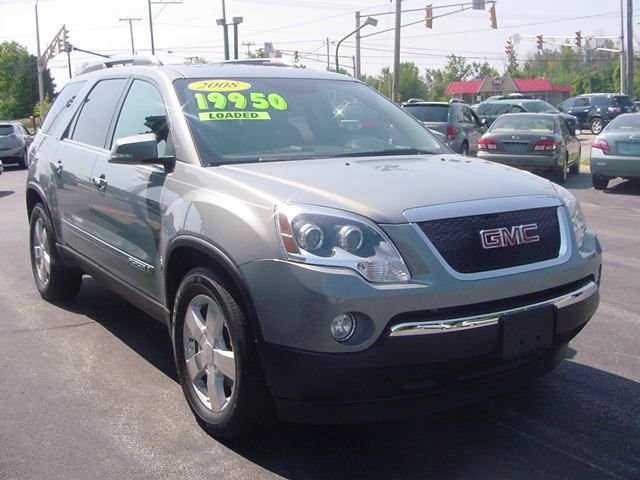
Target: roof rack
270,62
121,60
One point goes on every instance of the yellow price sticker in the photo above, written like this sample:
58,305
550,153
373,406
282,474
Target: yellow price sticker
231,115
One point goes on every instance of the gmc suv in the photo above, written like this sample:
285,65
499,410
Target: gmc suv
307,269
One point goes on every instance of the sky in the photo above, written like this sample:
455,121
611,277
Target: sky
188,28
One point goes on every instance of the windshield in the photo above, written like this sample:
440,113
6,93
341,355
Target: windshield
523,123
6,130
271,119
625,122
429,113
539,107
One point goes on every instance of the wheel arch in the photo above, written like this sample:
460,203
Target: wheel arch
186,252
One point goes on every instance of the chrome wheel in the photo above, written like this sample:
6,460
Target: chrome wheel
208,353
41,252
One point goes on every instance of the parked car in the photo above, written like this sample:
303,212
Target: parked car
456,120
616,151
14,143
307,269
596,110
490,110
532,141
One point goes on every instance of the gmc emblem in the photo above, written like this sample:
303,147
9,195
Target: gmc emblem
509,236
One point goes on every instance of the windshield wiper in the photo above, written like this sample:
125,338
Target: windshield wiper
388,152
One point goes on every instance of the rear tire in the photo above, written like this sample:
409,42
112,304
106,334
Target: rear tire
560,173
465,149
596,125
216,358
54,281
599,183
575,168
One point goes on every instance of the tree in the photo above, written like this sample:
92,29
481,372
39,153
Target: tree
457,69
481,70
19,81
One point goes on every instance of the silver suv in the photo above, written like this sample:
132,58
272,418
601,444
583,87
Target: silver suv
307,269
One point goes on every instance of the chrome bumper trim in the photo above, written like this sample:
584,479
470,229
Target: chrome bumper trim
456,324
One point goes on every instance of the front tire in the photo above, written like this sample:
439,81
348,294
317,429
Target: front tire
216,359
54,281
596,125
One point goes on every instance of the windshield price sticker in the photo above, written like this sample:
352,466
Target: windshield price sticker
224,94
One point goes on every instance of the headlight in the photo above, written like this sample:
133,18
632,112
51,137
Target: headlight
575,211
323,236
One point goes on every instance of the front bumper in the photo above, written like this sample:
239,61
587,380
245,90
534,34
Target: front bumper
526,162
614,166
427,365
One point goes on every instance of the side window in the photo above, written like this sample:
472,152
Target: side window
583,102
60,106
516,109
467,116
502,109
143,112
97,111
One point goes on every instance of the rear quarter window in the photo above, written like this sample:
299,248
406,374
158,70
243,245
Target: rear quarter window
61,106
6,130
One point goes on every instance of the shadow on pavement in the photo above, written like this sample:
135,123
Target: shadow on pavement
625,187
577,422
143,334
6,193
582,181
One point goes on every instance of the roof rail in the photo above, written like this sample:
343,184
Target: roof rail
270,62
121,60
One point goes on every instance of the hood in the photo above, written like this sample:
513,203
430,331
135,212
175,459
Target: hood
382,188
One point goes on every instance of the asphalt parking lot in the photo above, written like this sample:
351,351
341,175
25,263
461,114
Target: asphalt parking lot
88,390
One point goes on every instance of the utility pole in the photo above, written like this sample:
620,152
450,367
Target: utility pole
623,87
328,56
629,47
40,68
396,54
356,72
248,45
153,45
131,20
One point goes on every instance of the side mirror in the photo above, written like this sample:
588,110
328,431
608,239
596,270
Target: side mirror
139,150
484,122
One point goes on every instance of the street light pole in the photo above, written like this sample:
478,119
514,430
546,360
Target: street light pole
131,20
40,68
396,53
226,30
236,21
368,21
629,48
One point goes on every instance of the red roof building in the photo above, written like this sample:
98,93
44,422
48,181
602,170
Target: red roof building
477,90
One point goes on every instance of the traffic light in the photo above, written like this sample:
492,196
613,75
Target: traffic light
492,17
540,42
65,38
478,4
578,39
428,16
509,48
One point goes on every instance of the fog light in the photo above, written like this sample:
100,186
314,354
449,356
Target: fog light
343,326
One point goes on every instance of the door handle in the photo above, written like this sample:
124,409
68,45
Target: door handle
58,167
100,182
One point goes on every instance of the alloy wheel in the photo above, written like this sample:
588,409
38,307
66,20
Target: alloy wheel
41,251
208,352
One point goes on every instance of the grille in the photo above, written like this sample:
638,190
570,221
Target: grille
458,239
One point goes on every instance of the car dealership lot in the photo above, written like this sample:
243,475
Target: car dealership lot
89,389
